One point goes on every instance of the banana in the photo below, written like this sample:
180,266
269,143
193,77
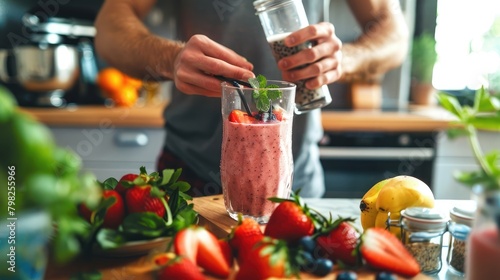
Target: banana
368,205
399,193
388,197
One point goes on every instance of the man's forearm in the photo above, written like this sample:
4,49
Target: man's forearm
382,46
124,42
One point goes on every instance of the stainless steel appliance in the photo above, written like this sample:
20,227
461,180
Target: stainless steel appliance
55,65
46,72
354,161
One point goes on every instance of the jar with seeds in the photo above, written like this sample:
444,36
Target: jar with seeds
422,234
459,227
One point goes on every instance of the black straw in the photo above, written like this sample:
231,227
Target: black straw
237,83
242,96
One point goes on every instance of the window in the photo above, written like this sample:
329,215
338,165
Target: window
468,45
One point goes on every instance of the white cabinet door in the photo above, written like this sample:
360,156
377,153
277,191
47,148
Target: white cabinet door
112,152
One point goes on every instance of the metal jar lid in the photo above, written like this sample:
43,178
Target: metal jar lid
266,5
422,218
463,214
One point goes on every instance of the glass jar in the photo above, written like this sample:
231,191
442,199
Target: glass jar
422,232
483,246
279,18
459,227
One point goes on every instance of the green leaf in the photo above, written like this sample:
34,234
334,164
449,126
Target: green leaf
491,123
109,184
274,94
450,103
166,176
254,82
181,185
110,238
263,103
145,225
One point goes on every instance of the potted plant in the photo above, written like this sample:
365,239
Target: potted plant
423,58
484,238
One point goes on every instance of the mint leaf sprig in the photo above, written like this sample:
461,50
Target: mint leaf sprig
484,115
263,94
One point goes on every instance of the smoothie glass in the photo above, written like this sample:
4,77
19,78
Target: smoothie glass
256,158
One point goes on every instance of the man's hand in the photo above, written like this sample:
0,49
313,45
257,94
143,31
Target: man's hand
323,60
200,59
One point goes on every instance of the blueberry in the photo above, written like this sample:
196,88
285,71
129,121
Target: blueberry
385,276
307,243
307,263
347,275
322,267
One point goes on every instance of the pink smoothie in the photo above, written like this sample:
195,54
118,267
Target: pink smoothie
256,163
484,253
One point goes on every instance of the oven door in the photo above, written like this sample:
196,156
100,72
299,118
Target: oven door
350,171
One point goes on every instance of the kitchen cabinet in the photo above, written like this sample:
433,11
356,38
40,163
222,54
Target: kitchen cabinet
109,151
456,155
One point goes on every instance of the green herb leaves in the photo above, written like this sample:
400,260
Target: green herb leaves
263,94
484,115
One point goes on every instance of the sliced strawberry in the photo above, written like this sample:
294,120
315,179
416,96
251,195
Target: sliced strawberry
339,242
298,222
384,251
278,114
186,244
238,116
177,267
201,246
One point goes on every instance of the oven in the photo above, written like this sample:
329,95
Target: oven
354,161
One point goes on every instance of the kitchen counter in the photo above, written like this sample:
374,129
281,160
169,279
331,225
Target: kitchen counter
213,216
150,116
408,120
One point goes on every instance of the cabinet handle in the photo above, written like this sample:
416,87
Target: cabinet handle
131,139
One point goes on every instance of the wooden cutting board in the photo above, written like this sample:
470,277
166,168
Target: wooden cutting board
214,217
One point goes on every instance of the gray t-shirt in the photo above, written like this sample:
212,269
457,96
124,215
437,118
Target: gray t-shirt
194,123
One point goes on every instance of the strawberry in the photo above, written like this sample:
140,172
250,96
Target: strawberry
177,267
85,212
127,178
227,251
239,116
339,241
244,236
202,247
268,258
384,251
141,199
243,232
299,222
116,212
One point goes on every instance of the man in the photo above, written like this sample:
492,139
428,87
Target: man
225,38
